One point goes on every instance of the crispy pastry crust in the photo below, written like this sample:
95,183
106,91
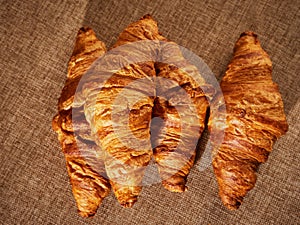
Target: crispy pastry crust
83,159
125,165
175,149
255,119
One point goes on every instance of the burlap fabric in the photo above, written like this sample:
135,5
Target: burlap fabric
37,39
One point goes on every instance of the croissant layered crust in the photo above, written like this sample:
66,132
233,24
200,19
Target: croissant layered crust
182,103
125,139
255,119
84,162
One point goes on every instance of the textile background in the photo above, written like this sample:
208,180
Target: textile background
37,39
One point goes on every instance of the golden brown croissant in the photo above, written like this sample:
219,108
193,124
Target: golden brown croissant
83,158
254,120
182,104
127,148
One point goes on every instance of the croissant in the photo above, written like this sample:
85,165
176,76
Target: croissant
254,120
125,140
83,158
182,103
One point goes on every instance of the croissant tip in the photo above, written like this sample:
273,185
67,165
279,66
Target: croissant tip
248,37
248,33
84,30
174,187
232,206
86,214
230,202
147,16
128,204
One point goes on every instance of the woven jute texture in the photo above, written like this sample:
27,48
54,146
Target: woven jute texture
37,39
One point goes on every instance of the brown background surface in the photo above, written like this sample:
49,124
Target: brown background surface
37,39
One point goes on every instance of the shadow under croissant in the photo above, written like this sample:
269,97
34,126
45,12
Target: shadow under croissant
203,141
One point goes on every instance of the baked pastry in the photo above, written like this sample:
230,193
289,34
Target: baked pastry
182,102
254,120
83,158
119,116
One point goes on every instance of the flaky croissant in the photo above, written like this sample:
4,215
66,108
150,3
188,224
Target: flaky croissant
125,157
254,120
83,158
182,104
